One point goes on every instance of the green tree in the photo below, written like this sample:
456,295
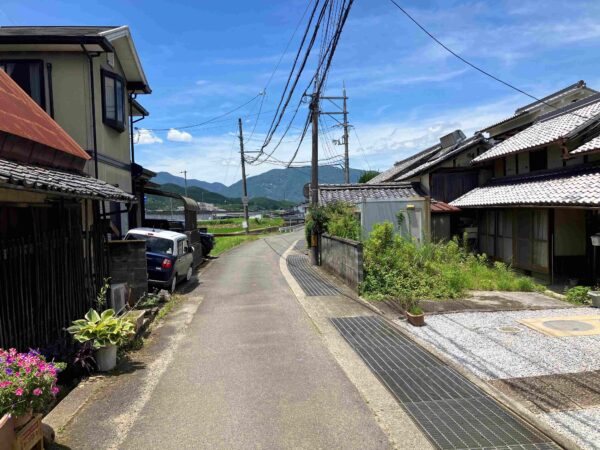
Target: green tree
367,175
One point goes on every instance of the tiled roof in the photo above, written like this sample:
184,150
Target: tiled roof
356,193
550,128
442,156
20,115
563,187
38,178
442,207
588,147
53,30
523,110
406,164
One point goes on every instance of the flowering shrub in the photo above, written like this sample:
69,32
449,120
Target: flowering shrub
27,382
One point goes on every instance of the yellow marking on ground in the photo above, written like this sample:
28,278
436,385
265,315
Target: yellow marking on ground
562,326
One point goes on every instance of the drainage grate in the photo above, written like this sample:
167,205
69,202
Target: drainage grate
312,282
452,412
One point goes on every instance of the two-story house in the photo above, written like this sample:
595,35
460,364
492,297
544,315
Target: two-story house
87,79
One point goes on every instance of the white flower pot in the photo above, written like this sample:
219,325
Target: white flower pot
106,358
595,296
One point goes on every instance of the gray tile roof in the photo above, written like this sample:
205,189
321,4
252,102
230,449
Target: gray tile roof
550,128
406,164
563,187
588,147
13,174
356,193
442,156
523,110
53,30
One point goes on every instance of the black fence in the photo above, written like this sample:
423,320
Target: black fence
47,280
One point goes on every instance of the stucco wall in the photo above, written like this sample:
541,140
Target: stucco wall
344,258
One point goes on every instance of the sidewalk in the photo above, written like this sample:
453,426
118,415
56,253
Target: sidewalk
425,398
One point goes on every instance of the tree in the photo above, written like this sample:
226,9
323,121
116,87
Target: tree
367,175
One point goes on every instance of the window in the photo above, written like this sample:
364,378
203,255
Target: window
113,100
29,75
180,248
538,160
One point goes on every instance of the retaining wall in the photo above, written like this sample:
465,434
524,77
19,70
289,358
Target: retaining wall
344,258
127,264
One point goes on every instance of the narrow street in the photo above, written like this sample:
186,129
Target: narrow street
250,371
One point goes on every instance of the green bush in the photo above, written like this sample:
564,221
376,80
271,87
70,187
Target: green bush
337,218
578,295
400,269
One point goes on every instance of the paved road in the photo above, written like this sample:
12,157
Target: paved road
250,371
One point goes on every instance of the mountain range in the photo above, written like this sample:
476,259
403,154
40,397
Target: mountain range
276,184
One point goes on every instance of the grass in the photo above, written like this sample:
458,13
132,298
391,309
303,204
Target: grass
166,309
235,225
224,243
401,270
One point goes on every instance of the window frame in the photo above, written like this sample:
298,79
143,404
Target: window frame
113,123
42,76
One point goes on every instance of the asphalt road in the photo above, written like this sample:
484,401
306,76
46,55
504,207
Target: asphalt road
249,371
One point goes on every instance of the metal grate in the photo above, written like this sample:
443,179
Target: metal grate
311,281
452,412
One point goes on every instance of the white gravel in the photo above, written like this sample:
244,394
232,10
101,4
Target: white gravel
581,426
474,341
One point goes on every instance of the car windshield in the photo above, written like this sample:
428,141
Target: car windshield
153,244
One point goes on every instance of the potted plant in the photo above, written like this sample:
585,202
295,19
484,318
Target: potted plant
414,313
106,331
27,386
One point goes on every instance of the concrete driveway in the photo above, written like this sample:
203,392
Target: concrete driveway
242,368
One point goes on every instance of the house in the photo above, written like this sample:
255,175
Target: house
87,79
384,202
52,253
540,209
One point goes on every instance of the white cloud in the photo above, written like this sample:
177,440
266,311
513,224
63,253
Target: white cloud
145,137
178,136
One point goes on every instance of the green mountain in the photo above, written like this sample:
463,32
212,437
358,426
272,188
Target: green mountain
202,195
278,184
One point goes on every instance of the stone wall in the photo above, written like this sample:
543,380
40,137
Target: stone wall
344,258
127,264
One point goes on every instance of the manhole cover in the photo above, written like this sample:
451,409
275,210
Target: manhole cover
568,325
510,330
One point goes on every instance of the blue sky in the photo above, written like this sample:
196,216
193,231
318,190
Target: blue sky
204,58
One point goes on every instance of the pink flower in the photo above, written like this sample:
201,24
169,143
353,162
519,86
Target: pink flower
19,392
37,392
55,390
5,384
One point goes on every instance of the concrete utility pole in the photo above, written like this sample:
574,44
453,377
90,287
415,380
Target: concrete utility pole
346,154
245,187
184,172
314,173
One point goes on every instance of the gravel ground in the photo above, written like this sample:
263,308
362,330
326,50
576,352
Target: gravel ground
581,426
474,341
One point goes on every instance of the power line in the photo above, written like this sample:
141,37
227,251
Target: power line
479,69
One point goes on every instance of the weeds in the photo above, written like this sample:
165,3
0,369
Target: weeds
400,269
578,295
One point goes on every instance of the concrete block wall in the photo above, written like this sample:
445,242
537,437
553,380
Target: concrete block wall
127,264
344,258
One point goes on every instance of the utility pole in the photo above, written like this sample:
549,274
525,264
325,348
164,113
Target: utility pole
346,155
245,187
314,172
184,172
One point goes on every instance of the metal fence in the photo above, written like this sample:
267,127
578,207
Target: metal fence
46,281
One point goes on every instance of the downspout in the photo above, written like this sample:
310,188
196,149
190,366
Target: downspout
50,90
93,101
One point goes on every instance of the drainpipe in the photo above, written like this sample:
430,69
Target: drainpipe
50,90
93,101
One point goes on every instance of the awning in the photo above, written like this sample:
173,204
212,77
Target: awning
563,187
189,204
29,177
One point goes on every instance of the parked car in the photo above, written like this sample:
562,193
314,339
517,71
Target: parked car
169,256
207,240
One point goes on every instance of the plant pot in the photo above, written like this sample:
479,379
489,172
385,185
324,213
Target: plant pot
106,358
7,432
595,296
20,421
417,320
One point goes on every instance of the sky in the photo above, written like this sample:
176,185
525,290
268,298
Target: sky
205,58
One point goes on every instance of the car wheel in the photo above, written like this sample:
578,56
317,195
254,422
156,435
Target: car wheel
188,275
173,283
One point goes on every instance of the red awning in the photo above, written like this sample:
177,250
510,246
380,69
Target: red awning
21,116
441,207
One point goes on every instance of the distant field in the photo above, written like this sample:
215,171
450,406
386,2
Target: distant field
235,225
